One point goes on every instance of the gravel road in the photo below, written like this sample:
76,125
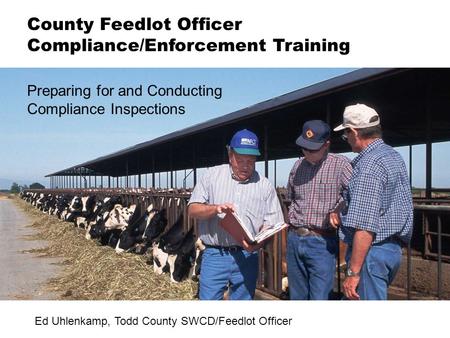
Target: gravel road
22,275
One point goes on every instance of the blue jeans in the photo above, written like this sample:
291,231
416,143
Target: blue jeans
221,269
379,269
311,265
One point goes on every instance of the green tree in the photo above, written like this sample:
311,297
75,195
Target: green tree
36,186
15,189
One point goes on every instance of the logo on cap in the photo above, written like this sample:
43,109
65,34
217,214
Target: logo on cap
248,141
309,133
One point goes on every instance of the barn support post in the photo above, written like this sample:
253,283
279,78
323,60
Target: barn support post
126,181
95,180
171,167
153,171
410,164
225,150
194,163
269,261
266,152
275,173
109,182
101,180
117,181
428,147
328,114
139,173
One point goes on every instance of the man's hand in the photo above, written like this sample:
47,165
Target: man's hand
221,208
251,247
350,284
208,211
335,219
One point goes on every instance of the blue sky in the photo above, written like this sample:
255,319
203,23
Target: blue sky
33,146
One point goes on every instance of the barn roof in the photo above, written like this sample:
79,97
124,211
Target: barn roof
410,102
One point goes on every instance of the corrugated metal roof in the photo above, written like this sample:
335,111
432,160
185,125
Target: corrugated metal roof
364,84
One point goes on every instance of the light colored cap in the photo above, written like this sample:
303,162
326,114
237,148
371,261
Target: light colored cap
359,116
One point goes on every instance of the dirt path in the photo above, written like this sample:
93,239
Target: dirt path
22,274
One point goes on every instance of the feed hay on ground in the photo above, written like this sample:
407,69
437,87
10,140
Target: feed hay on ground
94,272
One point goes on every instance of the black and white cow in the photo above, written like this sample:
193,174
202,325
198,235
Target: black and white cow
87,210
133,237
175,252
96,223
111,224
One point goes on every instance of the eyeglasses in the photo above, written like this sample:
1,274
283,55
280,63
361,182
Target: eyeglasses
344,135
311,151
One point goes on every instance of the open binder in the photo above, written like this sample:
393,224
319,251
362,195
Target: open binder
237,229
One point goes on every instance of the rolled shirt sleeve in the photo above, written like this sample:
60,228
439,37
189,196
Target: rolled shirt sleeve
200,194
365,205
273,213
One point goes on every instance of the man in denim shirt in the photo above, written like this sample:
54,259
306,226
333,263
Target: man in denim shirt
315,187
380,210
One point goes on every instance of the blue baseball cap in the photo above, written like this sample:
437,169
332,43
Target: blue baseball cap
314,134
245,142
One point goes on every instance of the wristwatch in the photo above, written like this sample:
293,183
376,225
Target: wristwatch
350,273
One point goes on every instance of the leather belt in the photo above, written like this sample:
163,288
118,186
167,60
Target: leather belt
302,231
233,248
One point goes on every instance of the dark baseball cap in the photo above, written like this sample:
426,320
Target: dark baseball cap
245,142
314,134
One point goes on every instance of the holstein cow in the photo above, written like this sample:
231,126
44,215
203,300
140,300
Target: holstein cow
155,228
182,261
199,247
96,223
109,228
175,252
74,209
131,239
87,209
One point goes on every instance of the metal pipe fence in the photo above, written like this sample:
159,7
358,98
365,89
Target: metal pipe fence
433,214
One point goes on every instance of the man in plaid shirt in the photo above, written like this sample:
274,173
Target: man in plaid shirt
380,210
315,188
